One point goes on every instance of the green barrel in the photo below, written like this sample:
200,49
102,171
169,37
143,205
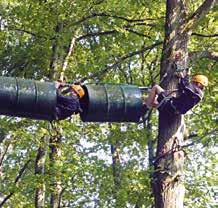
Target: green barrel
111,103
27,98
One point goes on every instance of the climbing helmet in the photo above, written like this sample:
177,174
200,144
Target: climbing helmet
78,90
200,79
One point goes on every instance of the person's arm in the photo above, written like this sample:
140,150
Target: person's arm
58,84
184,79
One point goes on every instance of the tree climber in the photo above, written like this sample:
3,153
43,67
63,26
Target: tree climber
68,100
190,94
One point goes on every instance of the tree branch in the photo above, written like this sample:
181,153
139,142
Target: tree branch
193,56
198,14
115,17
3,155
21,172
205,36
109,32
27,32
214,131
135,21
138,33
69,53
119,60
126,19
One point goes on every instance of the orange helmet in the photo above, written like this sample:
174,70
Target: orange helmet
200,79
78,90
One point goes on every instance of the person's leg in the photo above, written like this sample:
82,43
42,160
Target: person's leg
150,101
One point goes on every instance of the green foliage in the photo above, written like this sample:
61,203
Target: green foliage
109,33
202,181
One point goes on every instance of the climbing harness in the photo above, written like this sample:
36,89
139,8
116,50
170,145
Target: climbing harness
166,98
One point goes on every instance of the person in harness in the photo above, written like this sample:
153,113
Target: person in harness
68,100
190,94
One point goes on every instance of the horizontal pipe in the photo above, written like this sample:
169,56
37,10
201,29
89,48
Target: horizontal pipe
111,103
101,103
27,98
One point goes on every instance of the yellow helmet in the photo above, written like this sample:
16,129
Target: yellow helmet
200,79
78,90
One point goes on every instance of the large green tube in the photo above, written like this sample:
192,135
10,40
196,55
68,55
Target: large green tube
27,98
111,103
101,103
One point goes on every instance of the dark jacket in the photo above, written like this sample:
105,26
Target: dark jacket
67,103
189,96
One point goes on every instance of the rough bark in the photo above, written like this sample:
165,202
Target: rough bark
116,164
56,139
168,176
56,185
55,52
115,154
40,171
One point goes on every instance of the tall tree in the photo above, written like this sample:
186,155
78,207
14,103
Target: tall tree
169,165
115,41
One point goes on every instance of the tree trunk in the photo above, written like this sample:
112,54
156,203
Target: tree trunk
55,163
40,171
55,140
55,52
116,168
168,176
116,164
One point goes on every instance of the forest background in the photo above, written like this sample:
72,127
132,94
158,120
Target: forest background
76,164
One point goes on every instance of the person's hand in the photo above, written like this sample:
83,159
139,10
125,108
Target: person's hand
184,73
58,84
188,72
180,74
